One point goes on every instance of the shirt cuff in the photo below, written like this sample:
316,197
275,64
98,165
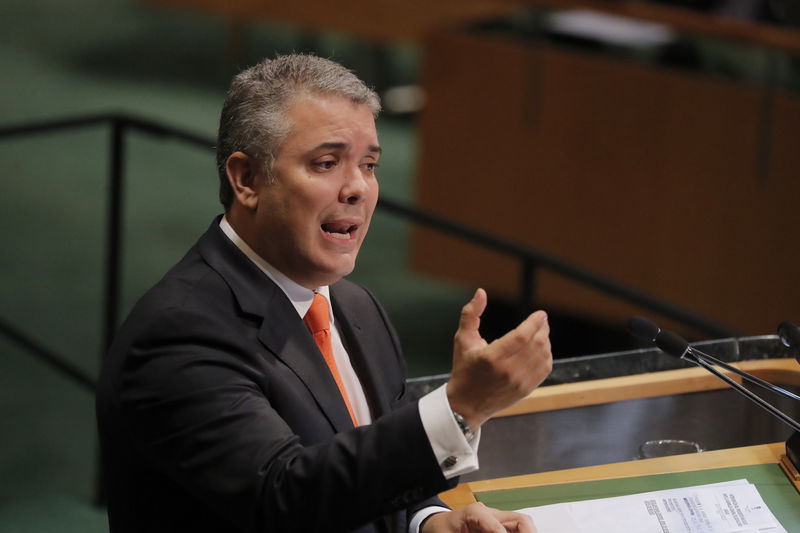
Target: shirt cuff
455,455
422,514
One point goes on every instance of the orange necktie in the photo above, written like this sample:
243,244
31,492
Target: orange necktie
319,324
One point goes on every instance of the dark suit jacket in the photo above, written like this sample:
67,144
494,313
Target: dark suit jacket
217,412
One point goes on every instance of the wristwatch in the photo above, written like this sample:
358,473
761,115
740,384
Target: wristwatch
464,427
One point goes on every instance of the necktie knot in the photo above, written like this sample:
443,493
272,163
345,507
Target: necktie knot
317,318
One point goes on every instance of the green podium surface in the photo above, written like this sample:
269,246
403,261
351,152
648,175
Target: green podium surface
775,488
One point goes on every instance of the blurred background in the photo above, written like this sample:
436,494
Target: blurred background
645,149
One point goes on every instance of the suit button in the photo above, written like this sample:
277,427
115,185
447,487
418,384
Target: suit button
450,462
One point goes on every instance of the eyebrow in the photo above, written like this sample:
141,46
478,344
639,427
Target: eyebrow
340,146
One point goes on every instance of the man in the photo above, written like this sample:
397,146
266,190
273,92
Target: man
220,409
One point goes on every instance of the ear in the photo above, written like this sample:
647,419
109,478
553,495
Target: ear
245,179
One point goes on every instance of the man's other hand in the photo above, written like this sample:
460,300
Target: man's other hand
488,378
477,518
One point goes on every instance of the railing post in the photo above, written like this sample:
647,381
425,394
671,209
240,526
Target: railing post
113,257
527,287
114,232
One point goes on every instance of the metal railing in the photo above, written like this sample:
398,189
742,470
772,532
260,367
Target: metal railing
531,260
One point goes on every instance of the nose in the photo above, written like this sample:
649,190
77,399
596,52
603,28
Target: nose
355,187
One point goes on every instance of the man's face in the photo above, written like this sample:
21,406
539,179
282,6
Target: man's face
312,220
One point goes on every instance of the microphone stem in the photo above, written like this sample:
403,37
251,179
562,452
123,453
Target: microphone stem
749,377
755,398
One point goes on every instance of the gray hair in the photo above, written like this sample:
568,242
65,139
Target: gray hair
253,117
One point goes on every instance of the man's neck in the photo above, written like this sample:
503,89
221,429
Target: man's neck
300,296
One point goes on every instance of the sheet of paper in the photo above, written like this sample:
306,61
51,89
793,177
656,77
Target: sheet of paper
730,507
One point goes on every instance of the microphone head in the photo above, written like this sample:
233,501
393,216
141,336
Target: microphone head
672,343
789,333
642,328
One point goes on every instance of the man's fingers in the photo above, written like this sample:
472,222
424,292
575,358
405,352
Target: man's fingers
472,311
536,360
521,336
482,519
515,522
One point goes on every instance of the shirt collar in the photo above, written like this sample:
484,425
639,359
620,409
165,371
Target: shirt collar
300,296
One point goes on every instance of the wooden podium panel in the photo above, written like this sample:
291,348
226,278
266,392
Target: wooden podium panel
674,182
593,392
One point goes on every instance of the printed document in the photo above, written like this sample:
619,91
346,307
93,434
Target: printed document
730,507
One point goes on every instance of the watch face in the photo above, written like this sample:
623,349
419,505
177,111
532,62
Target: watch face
462,424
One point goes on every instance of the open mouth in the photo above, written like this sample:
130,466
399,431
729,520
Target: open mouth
339,230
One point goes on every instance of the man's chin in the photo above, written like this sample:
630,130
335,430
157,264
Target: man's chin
331,272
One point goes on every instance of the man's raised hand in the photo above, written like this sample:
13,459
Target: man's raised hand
488,377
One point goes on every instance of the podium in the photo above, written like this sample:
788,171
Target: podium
765,465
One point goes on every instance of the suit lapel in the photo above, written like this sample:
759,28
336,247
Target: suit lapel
286,336
282,331
363,350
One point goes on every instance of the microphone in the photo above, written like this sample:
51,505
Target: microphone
642,328
675,345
